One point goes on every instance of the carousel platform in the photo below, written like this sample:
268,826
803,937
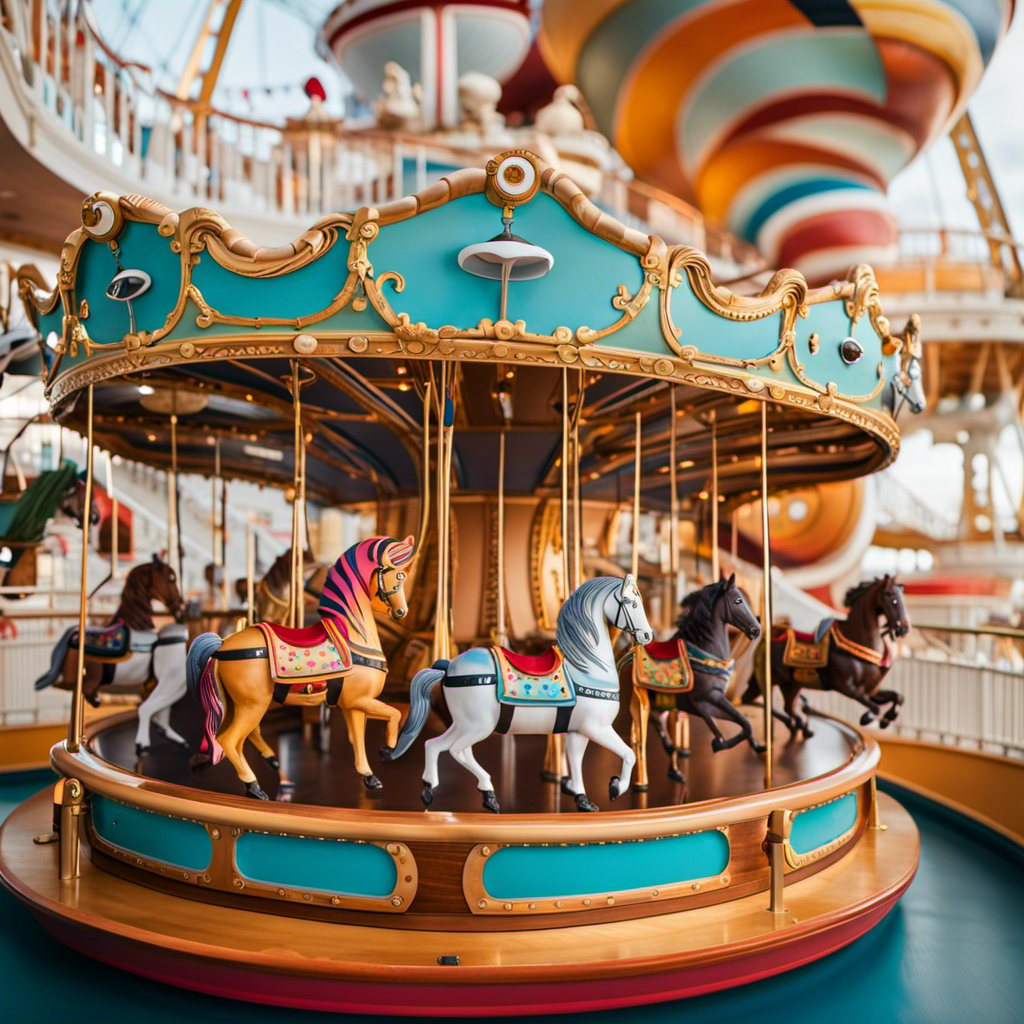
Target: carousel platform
367,905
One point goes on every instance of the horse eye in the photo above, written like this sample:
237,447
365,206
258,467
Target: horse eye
400,576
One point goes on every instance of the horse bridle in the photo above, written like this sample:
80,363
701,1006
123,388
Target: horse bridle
630,626
382,594
892,625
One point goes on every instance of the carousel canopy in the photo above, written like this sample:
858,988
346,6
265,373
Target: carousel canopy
152,303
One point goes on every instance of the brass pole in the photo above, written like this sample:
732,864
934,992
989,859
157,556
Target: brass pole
113,517
766,601
715,566
78,702
250,572
224,543
421,536
500,635
565,484
577,499
449,442
295,588
438,626
636,502
173,526
213,515
673,554
734,547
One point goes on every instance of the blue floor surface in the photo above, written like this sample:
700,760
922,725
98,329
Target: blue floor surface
951,952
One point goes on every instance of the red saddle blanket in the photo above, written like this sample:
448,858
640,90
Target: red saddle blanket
533,664
304,656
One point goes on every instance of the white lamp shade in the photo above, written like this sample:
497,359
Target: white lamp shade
524,260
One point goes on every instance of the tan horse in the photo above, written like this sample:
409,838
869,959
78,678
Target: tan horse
234,679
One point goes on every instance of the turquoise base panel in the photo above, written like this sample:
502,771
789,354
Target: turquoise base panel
818,826
540,872
183,844
326,865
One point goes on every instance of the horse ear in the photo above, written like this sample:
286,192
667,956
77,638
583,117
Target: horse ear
156,558
732,580
629,579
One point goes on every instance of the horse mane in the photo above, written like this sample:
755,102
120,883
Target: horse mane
577,633
854,594
134,608
696,621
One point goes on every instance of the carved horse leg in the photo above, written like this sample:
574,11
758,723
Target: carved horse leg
790,692
640,710
894,699
575,746
725,706
246,717
680,744
464,755
847,688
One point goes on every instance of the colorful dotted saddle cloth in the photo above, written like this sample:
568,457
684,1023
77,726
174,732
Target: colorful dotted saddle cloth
528,680
304,656
115,642
663,665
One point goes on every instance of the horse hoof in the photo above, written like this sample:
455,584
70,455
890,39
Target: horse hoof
669,747
583,804
885,723
427,796
387,753
254,790
718,744
565,788
867,718
490,801
372,782
676,775
274,762
613,788
93,699
808,733
759,748
140,750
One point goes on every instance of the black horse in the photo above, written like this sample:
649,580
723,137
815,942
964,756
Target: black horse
703,626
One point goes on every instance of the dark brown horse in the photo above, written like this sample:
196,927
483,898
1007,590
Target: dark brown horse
703,626
858,656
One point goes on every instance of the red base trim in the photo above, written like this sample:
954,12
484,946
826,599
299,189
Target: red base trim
443,1000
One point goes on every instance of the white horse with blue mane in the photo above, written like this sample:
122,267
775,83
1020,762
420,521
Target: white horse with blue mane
572,689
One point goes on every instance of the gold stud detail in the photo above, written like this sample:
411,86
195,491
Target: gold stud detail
215,833
485,851
611,900
481,904
397,901
335,900
508,906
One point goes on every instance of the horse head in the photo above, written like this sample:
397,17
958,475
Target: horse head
162,584
624,609
392,559
890,604
906,383
734,610
73,503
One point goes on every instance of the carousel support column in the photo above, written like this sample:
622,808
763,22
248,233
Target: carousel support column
565,485
442,631
298,541
224,591
72,796
766,600
673,477
779,824
715,566
421,536
78,702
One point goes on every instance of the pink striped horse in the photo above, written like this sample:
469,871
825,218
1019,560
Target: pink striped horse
339,661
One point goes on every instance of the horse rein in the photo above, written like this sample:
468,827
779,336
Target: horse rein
630,627
383,594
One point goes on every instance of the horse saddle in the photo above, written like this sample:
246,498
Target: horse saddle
115,642
532,680
663,665
305,659
805,653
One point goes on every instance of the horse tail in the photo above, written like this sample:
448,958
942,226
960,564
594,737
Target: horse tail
419,705
60,652
205,688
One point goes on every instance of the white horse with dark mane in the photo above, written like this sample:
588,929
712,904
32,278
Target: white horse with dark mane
573,689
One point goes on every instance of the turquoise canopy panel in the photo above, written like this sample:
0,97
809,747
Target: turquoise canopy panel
389,282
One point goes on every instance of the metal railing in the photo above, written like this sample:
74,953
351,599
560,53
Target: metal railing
179,152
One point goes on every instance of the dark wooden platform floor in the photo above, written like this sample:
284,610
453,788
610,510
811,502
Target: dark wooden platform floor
328,778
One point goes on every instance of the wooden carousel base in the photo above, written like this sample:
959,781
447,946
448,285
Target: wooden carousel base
269,958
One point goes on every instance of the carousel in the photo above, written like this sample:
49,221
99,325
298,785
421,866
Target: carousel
537,410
